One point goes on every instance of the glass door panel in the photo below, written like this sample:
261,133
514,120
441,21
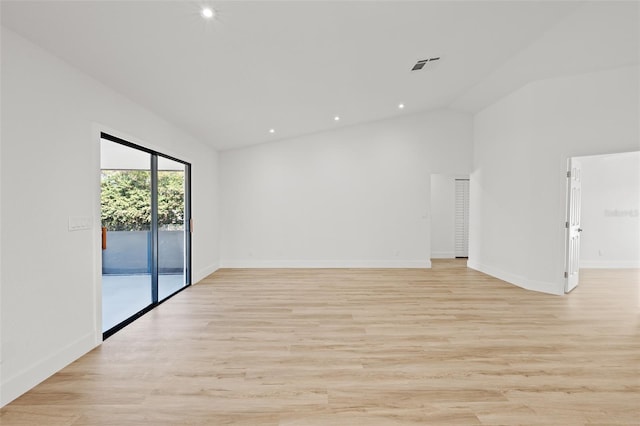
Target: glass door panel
126,205
172,226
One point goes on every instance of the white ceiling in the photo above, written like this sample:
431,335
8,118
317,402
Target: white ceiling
293,66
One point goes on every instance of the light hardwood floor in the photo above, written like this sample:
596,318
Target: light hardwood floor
361,347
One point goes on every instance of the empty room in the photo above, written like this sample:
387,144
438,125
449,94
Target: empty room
319,212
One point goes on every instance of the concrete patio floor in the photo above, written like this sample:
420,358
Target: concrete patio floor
124,295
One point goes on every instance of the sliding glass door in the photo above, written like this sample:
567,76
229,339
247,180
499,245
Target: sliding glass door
145,210
172,238
126,232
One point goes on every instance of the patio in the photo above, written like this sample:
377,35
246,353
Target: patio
125,295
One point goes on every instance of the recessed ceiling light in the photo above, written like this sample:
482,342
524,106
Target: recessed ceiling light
336,118
401,106
207,13
272,130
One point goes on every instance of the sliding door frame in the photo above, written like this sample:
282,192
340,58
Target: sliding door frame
155,230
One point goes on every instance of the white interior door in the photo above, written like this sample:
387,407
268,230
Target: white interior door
462,218
572,262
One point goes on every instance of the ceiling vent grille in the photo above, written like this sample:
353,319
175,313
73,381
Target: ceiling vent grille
421,63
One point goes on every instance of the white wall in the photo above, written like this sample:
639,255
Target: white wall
518,184
610,211
353,197
443,221
50,294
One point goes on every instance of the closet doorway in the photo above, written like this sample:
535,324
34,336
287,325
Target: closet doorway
462,218
449,216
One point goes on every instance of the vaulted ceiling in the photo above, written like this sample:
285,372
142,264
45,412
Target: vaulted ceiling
292,66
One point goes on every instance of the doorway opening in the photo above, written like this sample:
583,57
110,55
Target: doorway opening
146,230
449,216
462,218
603,219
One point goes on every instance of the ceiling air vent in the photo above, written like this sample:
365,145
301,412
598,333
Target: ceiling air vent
421,63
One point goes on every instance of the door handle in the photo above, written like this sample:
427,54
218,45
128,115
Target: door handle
104,238
579,229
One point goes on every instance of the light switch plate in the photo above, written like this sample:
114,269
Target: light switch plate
79,223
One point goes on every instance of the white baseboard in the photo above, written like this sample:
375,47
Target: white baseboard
19,383
610,264
518,280
443,255
204,272
251,263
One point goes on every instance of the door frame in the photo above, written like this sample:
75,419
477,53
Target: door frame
154,231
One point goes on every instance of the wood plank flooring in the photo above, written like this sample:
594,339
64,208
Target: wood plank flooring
361,347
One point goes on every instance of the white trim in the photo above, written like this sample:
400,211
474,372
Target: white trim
21,382
443,255
518,280
252,263
97,240
204,272
610,264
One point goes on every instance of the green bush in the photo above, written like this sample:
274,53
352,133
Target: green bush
126,200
